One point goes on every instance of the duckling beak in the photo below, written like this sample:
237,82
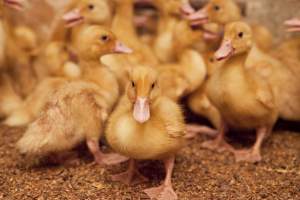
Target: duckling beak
187,9
122,48
199,18
73,18
225,51
293,25
14,4
141,110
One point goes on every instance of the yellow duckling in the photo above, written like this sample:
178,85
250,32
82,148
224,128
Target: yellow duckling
147,126
242,91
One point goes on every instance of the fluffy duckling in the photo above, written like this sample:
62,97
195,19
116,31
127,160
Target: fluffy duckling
142,128
78,110
34,103
241,91
226,11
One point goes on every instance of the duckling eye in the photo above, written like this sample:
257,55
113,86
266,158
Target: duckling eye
216,8
153,85
241,34
91,7
132,84
211,60
104,38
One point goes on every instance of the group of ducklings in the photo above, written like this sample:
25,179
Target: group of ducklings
94,76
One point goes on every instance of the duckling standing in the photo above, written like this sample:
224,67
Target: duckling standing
78,109
146,126
242,92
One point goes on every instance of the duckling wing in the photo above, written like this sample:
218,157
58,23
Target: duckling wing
172,117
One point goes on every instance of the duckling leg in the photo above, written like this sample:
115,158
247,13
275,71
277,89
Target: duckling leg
253,155
104,159
219,144
193,130
131,176
165,191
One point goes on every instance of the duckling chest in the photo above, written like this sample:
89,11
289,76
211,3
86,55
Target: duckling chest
141,141
230,92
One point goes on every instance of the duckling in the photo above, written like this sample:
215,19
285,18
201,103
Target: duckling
32,106
77,111
241,90
142,128
57,43
226,11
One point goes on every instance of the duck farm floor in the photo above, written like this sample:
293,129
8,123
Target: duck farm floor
199,173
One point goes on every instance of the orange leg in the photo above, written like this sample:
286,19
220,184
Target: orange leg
219,144
253,155
131,176
193,130
165,191
104,159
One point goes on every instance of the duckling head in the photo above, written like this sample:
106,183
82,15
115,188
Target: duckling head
90,12
237,40
217,11
96,41
142,91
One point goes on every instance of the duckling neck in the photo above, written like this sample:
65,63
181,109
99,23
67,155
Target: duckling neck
90,64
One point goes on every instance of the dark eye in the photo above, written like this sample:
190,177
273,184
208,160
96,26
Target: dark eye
132,84
91,6
241,34
217,8
104,38
211,60
153,85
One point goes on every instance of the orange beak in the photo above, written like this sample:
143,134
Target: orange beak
141,110
122,48
14,4
225,51
187,9
199,18
73,18
293,25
